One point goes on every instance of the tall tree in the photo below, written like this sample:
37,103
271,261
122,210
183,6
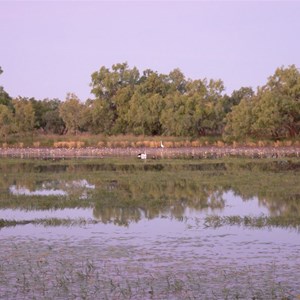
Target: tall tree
177,81
105,83
24,115
71,112
6,121
239,121
106,86
144,114
5,99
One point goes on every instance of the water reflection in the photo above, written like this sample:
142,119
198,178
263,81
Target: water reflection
48,188
164,208
20,190
122,193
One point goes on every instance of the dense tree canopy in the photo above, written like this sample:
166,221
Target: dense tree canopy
127,101
4,97
273,112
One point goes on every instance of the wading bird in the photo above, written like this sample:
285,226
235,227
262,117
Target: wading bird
142,155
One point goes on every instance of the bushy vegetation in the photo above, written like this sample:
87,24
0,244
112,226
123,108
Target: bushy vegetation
153,104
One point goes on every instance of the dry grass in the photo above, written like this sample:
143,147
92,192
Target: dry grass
36,144
251,144
235,144
277,144
132,141
69,145
220,144
287,143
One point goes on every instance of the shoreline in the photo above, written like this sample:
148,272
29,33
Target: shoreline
155,153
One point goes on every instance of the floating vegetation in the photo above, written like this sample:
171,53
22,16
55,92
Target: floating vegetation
253,221
48,222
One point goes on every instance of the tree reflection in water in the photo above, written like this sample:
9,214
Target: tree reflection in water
121,192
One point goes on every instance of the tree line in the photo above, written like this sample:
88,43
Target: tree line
148,103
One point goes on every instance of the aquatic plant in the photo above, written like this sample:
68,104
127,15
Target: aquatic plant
253,221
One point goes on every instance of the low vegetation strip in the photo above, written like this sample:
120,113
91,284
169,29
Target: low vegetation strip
192,152
47,222
212,221
254,222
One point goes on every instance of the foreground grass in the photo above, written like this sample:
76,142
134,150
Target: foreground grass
62,270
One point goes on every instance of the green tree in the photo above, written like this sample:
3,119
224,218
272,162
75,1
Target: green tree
122,100
273,113
239,121
6,121
208,106
24,115
284,87
276,115
153,83
105,83
238,95
177,81
102,117
144,114
5,99
71,113
175,118
111,88
47,116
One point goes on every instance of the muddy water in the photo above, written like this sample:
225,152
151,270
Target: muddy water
150,239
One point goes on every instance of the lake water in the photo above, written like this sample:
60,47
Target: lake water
155,229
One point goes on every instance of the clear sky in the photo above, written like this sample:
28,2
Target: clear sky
49,48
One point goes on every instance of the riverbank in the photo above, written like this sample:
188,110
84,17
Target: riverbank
154,153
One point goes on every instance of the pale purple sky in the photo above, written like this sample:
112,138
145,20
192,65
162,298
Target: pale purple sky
49,48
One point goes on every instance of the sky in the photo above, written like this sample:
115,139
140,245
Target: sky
50,48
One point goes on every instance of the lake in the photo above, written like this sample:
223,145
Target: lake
155,229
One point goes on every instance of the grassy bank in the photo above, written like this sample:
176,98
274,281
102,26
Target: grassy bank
132,141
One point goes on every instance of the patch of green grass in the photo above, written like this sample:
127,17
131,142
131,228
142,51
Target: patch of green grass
253,222
48,222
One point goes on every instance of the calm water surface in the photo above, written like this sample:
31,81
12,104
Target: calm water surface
143,232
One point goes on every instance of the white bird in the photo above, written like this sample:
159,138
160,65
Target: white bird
142,155
161,145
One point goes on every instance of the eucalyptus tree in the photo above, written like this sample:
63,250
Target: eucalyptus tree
71,113
175,118
6,121
278,108
106,86
208,110
105,82
5,99
274,112
153,83
24,115
239,122
177,81
147,104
